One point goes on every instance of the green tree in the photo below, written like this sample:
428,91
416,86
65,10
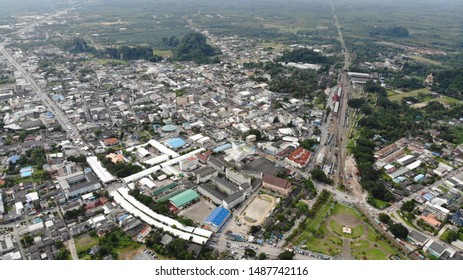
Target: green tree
302,207
250,253
63,254
384,218
286,255
262,256
399,231
318,175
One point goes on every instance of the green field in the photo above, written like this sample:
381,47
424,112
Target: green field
357,231
84,243
394,96
327,237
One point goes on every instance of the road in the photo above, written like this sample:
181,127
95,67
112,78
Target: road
72,249
62,119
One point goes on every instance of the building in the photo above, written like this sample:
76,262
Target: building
205,174
279,185
225,186
299,157
111,141
434,248
236,177
217,219
456,219
142,152
217,163
234,199
189,164
2,207
430,219
183,199
417,238
79,183
440,212
220,198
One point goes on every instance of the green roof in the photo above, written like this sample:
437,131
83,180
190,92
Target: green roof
184,198
163,189
168,196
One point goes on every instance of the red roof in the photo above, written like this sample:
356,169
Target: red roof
336,98
300,156
276,181
111,141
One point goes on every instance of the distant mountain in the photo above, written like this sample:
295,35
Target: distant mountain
194,47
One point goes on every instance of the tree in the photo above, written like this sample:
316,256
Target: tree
356,102
302,207
450,235
250,253
63,254
408,206
399,231
254,229
286,255
318,175
262,256
384,218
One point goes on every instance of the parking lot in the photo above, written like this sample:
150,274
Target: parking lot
145,255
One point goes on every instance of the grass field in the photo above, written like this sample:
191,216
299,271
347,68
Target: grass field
425,60
325,235
84,243
357,231
394,96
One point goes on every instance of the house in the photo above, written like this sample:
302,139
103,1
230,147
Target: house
299,157
111,141
430,219
457,218
166,239
279,185
434,248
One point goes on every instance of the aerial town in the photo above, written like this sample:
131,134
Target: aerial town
134,159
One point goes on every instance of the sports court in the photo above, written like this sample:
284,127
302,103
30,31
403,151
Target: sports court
258,209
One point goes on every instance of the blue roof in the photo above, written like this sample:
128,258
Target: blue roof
175,143
419,177
26,169
222,148
218,216
457,218
26,174
13,159
428,196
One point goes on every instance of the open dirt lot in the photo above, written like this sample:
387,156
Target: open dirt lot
257,210
199,211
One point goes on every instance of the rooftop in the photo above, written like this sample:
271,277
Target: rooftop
184,198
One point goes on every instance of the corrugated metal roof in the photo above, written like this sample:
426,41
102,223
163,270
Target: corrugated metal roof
184,198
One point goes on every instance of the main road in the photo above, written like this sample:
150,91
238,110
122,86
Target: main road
62,119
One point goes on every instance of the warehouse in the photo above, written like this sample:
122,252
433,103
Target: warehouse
217,219
183,199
